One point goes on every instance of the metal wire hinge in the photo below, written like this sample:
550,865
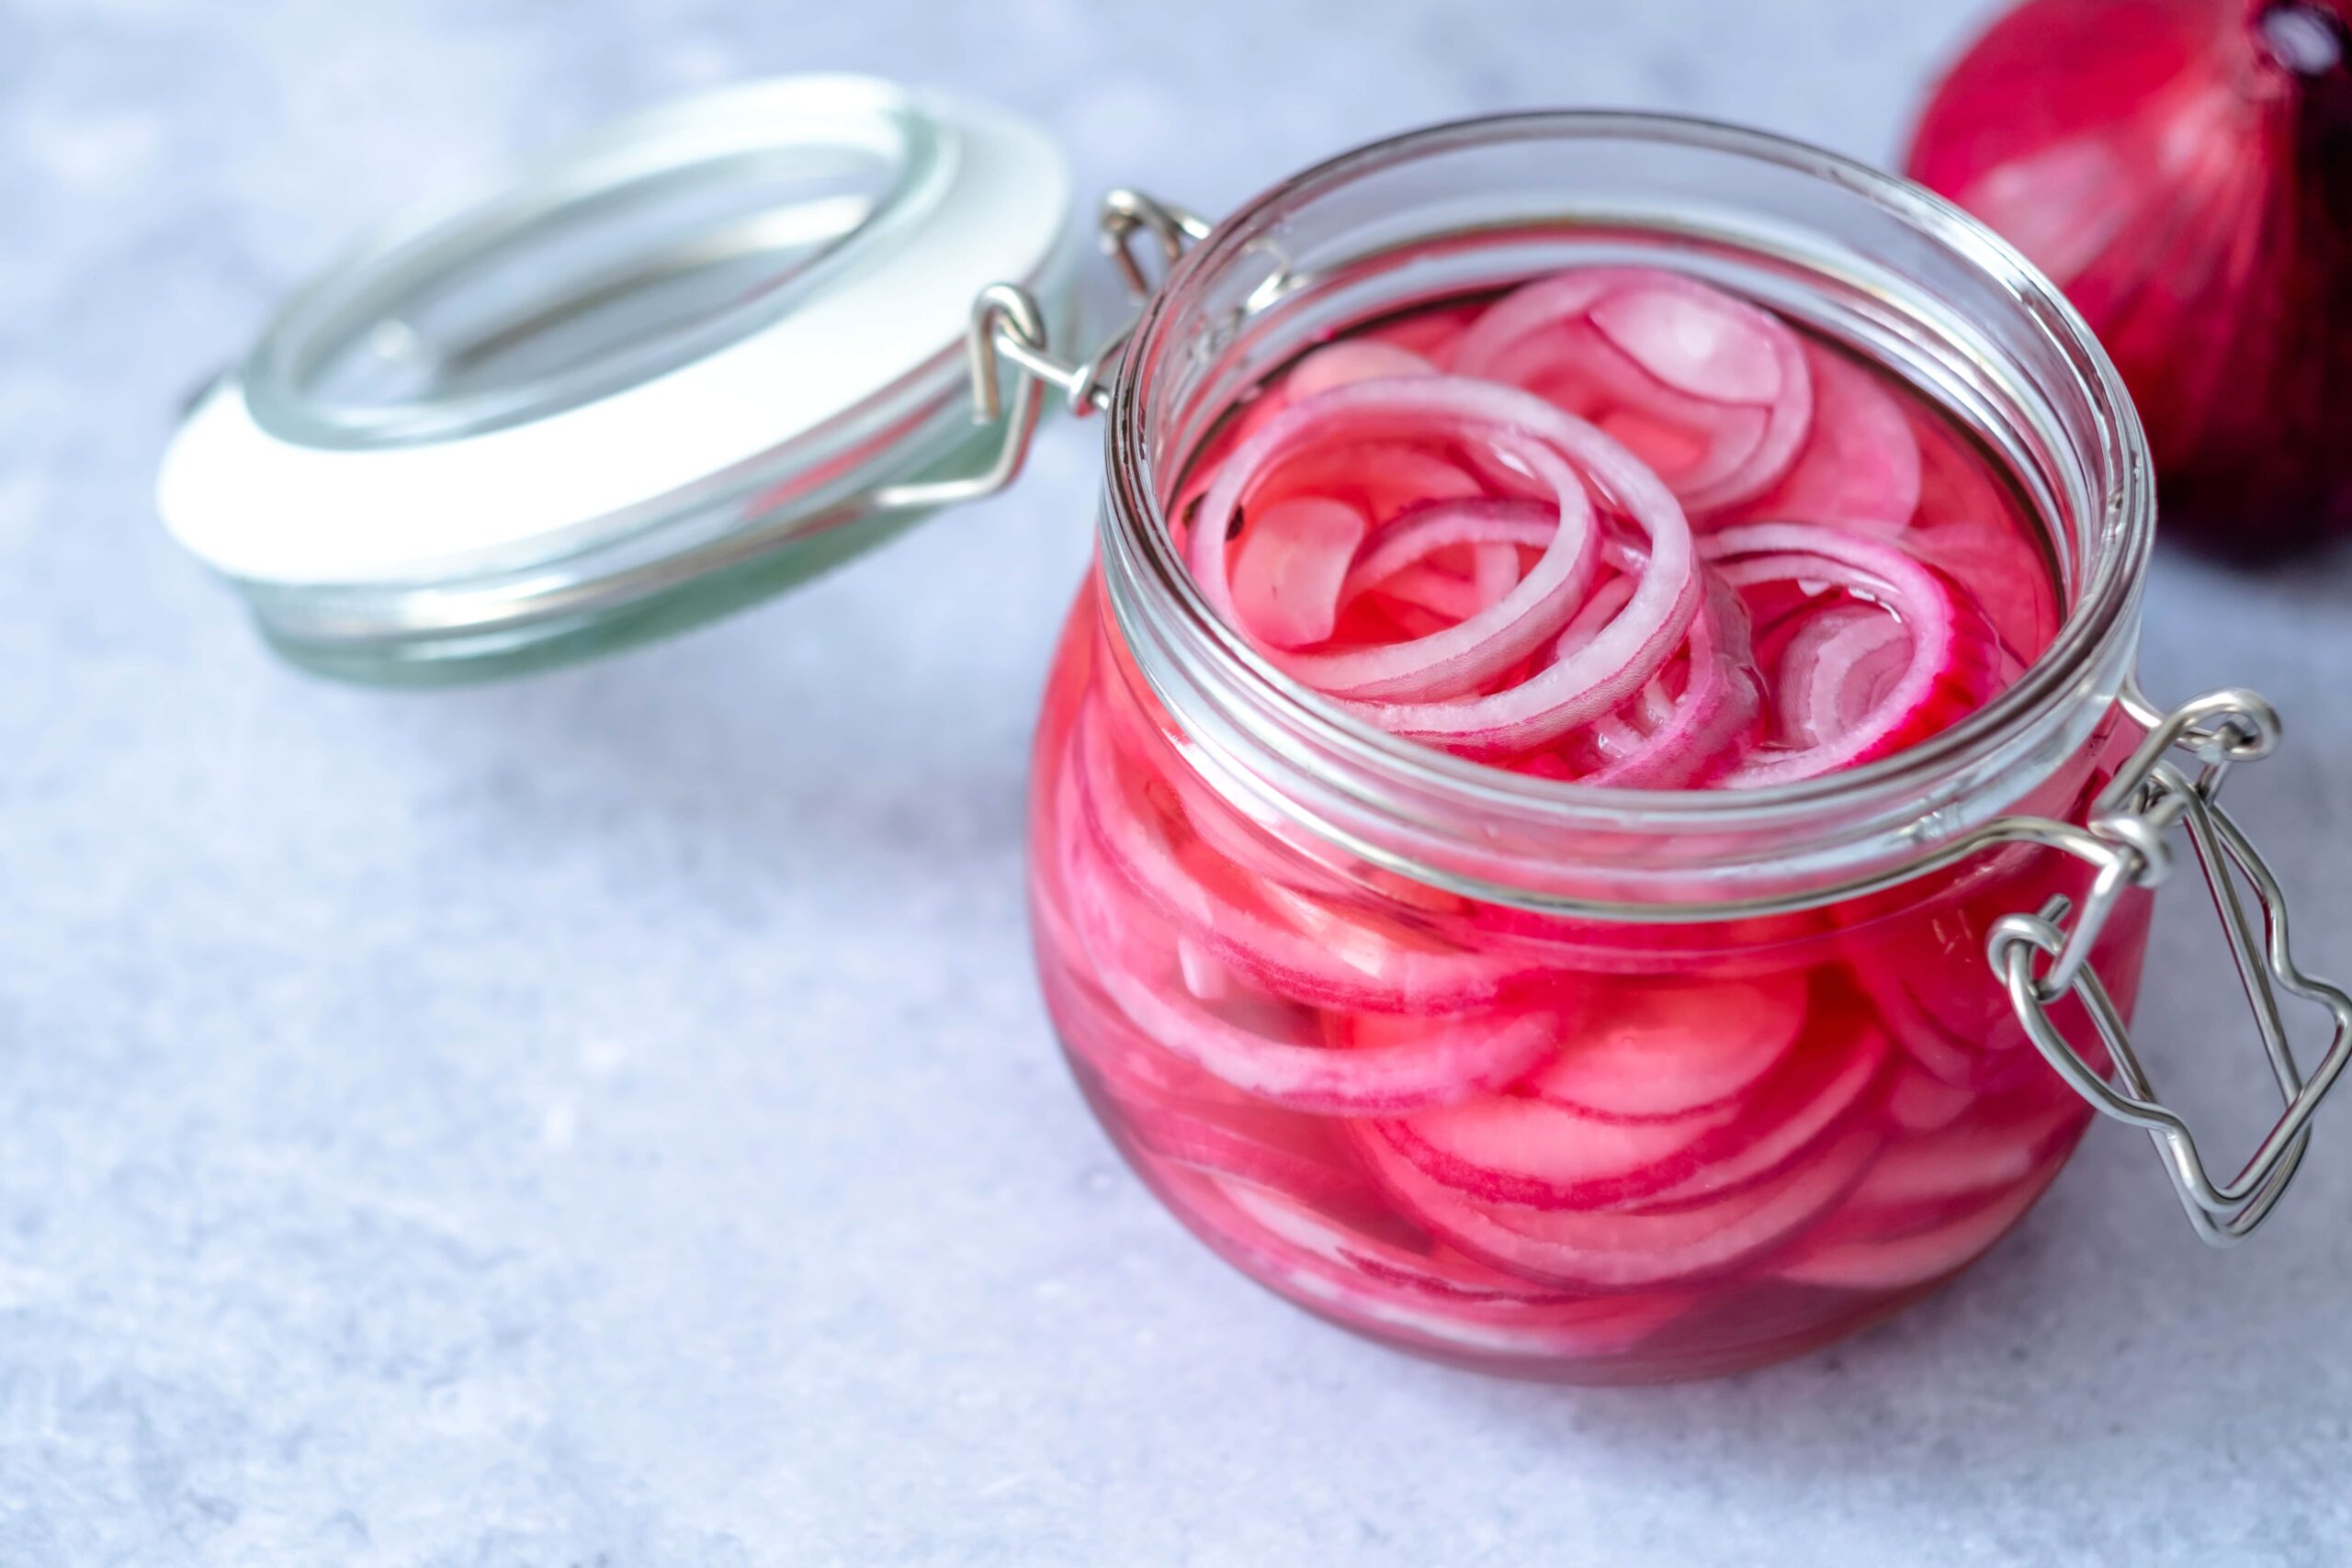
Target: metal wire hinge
2127,844
1008,328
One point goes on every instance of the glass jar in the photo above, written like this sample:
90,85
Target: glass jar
1572,1082
1588,1084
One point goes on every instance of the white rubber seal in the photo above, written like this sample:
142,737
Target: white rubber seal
260,506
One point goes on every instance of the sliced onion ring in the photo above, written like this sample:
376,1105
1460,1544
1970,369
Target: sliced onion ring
1653,351
1952,664
1416,688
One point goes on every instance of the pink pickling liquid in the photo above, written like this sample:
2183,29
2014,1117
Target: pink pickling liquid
1558,1147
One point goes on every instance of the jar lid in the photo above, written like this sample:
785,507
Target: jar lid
637,383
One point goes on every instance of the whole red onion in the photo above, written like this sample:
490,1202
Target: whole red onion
2183,168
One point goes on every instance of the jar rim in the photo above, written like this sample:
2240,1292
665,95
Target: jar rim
1143,563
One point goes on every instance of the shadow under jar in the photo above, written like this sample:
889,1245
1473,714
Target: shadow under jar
1573,1082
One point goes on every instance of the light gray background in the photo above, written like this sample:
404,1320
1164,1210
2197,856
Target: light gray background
607,1119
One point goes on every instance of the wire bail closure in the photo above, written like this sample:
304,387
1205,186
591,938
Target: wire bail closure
1008,326
2128,825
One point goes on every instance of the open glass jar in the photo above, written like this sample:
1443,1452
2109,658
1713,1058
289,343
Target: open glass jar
1595,1084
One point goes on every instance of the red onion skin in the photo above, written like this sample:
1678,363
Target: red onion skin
2183,168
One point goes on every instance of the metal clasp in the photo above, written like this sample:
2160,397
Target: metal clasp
2127,845
1008,327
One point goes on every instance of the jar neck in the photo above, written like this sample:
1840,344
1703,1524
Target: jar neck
1848,253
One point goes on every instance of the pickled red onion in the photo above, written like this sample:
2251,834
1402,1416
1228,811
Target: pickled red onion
1492,1133
1436,1062
1448,663
1418,687
1362,359
1859,462
1953,655
1719,701
1721,1037
1717,393
1286,584
1296,949
1604,1249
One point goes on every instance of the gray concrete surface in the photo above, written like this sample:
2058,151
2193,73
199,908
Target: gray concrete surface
606,1119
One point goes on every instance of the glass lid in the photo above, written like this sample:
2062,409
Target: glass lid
641,382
